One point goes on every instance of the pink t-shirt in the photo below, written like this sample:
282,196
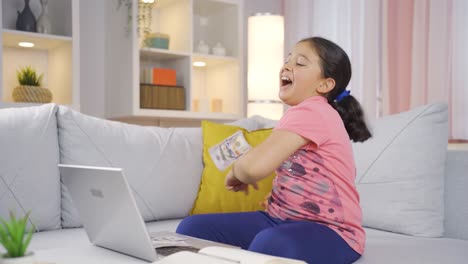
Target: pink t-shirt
316,183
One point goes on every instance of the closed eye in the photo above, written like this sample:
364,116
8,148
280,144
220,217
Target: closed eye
298,64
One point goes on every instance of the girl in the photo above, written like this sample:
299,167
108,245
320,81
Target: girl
313,212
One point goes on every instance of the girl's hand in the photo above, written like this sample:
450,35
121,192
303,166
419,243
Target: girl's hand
234,184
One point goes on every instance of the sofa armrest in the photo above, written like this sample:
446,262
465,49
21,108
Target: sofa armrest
456,194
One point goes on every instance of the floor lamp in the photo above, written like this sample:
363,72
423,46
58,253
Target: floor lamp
265,58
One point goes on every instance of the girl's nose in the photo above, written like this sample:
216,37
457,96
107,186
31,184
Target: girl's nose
286,67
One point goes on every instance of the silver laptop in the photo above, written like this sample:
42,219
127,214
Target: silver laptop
111,218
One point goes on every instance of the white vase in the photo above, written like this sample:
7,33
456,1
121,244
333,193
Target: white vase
29,258
219,50
43,21
203,48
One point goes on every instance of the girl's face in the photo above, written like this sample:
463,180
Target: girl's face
301,75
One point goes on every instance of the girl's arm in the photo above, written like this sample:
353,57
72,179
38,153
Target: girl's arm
262,160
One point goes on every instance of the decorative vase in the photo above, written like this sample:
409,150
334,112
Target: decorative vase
29,258
219,50
26,20
32,94
43,21
216,105
203,48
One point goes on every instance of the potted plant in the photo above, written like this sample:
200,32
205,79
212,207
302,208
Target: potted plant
15,239
29,89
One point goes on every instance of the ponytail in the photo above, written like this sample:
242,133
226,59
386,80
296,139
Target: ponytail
335,64
353,118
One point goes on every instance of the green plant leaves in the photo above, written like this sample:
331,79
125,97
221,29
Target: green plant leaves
26,242
13,235
5,240
27,76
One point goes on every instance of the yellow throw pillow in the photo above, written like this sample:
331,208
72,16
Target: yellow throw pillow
213,197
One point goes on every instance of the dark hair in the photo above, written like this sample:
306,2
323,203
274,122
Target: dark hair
335,64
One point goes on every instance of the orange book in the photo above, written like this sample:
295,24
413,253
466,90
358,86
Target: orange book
163,76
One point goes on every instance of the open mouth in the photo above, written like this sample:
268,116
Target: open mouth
285,81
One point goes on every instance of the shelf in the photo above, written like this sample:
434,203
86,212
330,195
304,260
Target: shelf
161,54
180,114
171,17
210,7
213,60
55,55
25,104
17,105
186,22
11,38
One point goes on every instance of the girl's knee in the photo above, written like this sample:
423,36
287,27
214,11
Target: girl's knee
272,241
189,225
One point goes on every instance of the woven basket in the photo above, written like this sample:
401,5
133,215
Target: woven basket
32,94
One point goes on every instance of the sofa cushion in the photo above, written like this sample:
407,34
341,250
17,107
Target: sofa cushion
29,177
390,248
400,172
213,196
456,194
163,165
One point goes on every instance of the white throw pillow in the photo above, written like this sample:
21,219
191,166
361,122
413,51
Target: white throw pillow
400,172
163,165
29,153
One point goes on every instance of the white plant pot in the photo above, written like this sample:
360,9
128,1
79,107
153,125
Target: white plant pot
29,258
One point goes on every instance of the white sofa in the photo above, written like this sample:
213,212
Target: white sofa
413,191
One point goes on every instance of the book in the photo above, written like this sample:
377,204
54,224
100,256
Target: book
222,255
158,76
162,76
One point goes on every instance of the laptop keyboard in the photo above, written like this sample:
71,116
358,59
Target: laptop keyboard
166,251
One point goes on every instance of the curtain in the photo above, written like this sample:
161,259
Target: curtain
405,53
355,26
428,59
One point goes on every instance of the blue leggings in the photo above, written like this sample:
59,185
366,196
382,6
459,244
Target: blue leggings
259,232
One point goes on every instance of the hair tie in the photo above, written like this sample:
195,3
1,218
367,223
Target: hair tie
342,95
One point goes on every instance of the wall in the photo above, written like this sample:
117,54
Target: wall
92,52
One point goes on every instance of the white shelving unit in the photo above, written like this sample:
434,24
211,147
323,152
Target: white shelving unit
55,55
186,22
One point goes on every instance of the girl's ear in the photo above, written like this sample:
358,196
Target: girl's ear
326,86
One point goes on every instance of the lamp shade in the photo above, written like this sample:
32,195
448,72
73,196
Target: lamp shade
265,59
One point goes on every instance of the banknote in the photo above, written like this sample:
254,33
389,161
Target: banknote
229,150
